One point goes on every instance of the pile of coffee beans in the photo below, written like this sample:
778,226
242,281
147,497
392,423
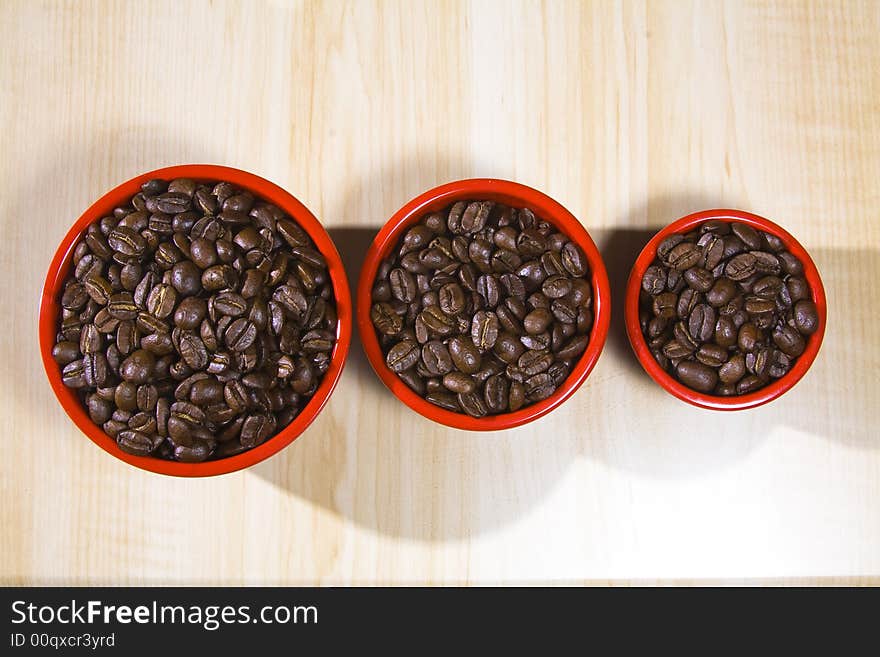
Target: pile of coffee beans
197,322
483,308
725,308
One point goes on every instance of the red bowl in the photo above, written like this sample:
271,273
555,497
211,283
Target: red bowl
509,193
60,268
772,390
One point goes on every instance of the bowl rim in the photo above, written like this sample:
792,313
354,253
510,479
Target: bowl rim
769,392
514,194
60,266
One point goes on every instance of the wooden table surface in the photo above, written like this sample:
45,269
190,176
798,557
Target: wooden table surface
631,115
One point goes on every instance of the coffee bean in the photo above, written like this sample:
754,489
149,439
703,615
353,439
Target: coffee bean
137,442
806,317
207,391
122,306
190,313
472,404
790,264
699,279
684,256
666,246
138,367
696,375
740,267
65,352
701,323
240,334
539,387
713,355
574,260
654,280
747,234
161,300
436,358
665,304
458,382
256,429
451,298
484,330
402,356
789,341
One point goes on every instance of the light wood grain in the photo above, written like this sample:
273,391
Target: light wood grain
631,115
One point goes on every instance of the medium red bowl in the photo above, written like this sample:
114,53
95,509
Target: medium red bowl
666,380
509,193
60,268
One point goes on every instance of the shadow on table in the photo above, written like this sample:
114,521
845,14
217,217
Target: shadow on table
415,479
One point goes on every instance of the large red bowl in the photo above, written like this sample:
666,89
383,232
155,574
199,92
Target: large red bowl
60,269
666,380
509,193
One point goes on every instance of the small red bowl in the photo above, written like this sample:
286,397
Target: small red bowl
631,314
509,193
60,268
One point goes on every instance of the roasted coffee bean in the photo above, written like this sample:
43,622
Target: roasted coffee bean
99,289
713,355
739,306
666,246
696,375
534,362
458,382
484,330
654,280
190,313
256,429
402,356
740,267
574,260
790,264
685,255
789,340
701,323
161,300
451,298
539,387
137,442
65,352
386,319
240,334
508,348
403,285
684,303
138,367
90,339
472,404
147,397
747,234
806,317
713,249
496,393
205,392
699,279
665,304
436,358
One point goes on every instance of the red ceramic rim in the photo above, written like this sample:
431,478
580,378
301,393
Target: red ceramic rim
666,380
509,193
60,268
